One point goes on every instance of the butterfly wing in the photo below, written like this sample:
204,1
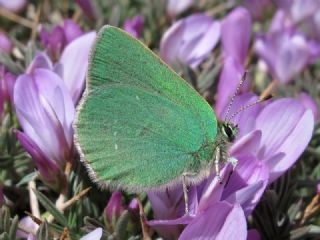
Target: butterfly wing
139,125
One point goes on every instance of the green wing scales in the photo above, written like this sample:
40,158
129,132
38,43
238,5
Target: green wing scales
139,125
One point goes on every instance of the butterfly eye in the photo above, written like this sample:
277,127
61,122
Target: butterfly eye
229,132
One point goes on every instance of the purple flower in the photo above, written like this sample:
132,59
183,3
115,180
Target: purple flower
318,188
14,6
309,103
88,7
265,148
71,30
45,111
134,26
94,235
27,223
55,41
257,7
190,40
226,222
175,7
230,76
114,208
235,34
7,85
205,203
5,43
299,10
280,123
72,74
253,234
285,52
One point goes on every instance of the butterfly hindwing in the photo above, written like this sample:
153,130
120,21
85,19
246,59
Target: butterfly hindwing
139,124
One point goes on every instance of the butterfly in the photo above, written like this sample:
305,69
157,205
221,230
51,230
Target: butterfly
139,125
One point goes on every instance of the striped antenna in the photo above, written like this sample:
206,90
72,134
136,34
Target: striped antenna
249,105
243,78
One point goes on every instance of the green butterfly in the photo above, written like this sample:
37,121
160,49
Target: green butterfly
139,125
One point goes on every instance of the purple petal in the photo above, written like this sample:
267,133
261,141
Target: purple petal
46,112
171,42
47,168
302,9
168,207
134,26
235,34
205,44
318,188
187,40
13,5
71,30
309,103
253,234
27,223
5,43
9,81
88,7
257,7
185,219
41,60
94,235
57,41
235,225
74,74
282,123
247,183
285,53
229,79
114,207
175,7
213,190
248,144
167,204
279,22
44,36
220,221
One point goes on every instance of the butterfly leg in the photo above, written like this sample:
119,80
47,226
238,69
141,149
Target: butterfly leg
185,193
216,164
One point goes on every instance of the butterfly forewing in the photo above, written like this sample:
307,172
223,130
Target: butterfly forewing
139,125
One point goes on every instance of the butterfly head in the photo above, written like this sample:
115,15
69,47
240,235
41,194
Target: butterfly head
229,131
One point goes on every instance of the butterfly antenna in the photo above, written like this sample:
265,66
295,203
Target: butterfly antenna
243,78
249,105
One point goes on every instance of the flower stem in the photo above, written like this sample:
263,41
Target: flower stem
269,90
34,204
144,227
16,18
311,209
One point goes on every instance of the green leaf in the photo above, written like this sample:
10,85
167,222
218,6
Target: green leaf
47,204
121,226
43,232
4,219
4,236
13,228
27,178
